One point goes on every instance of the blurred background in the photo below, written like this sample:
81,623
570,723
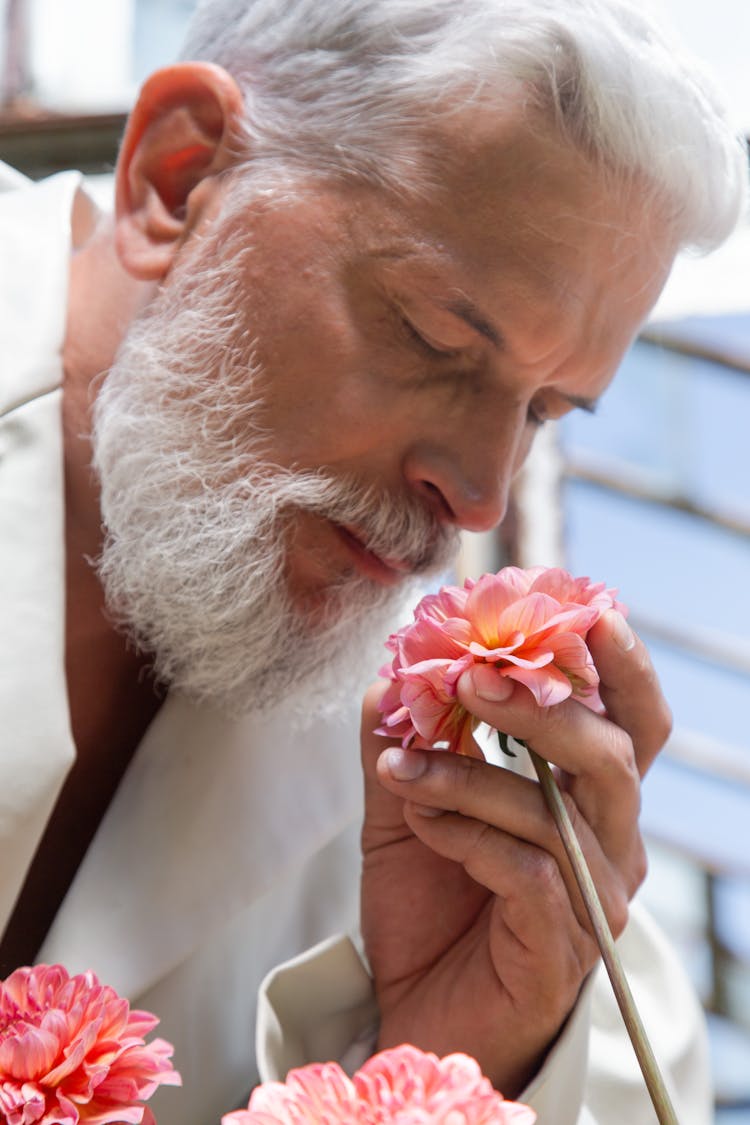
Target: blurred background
652,495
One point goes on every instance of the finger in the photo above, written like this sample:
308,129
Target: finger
384,819
535,893
629,686
596,754
494,798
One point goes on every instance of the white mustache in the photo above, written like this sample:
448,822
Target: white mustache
396,528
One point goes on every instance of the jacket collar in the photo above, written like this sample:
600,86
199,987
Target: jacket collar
211,815
36,744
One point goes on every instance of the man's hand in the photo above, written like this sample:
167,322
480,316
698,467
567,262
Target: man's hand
476,934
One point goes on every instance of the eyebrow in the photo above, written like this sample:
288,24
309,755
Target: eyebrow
467,311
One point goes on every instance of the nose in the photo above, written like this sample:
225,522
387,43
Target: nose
467,481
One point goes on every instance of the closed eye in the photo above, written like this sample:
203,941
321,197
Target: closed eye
426,346
553,405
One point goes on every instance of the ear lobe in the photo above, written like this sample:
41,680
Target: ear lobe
177,139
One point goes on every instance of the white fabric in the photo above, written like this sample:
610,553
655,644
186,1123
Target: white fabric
230,846
591,1075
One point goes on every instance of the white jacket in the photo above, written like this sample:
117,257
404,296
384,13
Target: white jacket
230,846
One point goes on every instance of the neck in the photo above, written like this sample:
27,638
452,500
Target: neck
102,671
103,299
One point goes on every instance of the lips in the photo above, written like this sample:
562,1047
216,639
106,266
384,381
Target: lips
386,571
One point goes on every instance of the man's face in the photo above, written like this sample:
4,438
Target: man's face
416,345
393,356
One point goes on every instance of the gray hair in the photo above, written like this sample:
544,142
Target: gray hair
349,87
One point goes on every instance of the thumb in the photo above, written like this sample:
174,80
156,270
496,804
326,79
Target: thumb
384,819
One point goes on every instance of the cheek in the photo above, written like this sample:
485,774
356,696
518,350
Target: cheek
319,402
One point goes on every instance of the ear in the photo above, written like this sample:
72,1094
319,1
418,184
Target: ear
177,139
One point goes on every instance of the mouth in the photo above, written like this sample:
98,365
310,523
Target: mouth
384,571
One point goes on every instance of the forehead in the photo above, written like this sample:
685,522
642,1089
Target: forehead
524,220
528,199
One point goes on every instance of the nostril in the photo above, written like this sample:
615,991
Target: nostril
467,490
436,500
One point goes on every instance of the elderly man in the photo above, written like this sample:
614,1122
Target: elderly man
361,251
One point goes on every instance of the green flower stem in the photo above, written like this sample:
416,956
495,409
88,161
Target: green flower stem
654,1081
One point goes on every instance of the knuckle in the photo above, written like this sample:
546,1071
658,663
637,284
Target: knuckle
618,913
642,672
663,721
642,664
638,867
622,760
542,727
586,952
480,846
467,779
616,758
543,872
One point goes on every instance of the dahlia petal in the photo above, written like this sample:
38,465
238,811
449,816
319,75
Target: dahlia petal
21,1105
568,619
431,639
532,659
433,671
391,697
548,685
466,744
573,658
401,1086
518,580
140,1023
449,601
93,1114
559,584
487,602
527,616
267,1097
29,1054
454,672
84,1047
497,652
396,717
431,704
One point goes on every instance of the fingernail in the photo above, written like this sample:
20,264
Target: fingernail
622,634
489,684
404,765
426,810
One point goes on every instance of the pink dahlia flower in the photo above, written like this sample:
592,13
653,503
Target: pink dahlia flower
400,1086
72,1051
526,625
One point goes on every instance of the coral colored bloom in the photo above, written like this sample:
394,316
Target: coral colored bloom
400,1086
71,1050
526,625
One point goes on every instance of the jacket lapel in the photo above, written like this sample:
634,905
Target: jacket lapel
211,814
36,748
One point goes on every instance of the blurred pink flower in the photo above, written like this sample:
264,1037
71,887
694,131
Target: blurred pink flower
72,1051
526,625
400,1086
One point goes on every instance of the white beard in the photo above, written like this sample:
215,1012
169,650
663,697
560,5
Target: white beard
197,516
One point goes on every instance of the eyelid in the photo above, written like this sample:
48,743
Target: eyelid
419,337
539,411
